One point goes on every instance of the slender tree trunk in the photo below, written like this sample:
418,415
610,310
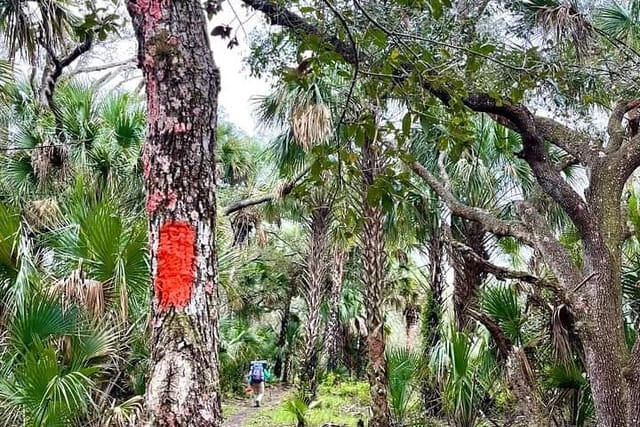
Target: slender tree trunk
412,325
314,293
334,328
284,325
361,357
182,84
373,276
432,319
286,367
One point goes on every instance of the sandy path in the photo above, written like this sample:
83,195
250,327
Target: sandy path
243,409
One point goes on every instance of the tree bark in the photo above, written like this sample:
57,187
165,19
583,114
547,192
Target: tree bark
412,324
432,316
286,367
468,274
599,304
373,276
632,376
282,337
182,84
334,328
314,294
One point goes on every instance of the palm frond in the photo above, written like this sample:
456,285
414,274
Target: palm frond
502,304
620,21
562,21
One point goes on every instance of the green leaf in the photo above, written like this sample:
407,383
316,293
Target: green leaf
436,8
406,124
377,37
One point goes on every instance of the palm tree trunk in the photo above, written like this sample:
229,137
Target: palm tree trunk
373,276
284,325
433,317
334,328
286,367
412,323
182,84
468,274
314,293
523,386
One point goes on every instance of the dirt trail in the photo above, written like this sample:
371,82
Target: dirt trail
243,409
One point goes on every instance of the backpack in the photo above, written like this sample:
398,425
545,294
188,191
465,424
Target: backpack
257,373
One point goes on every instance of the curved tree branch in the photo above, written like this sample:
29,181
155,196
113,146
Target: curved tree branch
614,127
279,15
500,272
52,74
503,343
555,255
287,189
489,221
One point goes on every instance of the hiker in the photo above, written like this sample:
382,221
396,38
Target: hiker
258,374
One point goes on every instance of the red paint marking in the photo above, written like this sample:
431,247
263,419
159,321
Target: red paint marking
151,11
176,265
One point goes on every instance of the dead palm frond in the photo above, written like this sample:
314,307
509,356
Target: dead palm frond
78,290
124,414
243,224
562,21
219,171
560,337
311,124
48,158
42,214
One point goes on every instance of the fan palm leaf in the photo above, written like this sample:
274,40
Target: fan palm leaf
23,23
620,20
501,303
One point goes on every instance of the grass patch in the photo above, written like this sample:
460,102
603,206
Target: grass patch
339,403
228,410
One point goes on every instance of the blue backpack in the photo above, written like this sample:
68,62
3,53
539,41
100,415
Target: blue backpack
257,373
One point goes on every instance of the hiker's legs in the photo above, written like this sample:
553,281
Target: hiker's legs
258,392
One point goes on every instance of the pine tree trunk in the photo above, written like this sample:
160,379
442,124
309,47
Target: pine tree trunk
373,277
333,336
314,293
182,84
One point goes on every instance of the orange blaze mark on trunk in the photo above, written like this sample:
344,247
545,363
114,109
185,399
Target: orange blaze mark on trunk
176,265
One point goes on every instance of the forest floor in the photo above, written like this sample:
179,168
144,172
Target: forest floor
239,411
